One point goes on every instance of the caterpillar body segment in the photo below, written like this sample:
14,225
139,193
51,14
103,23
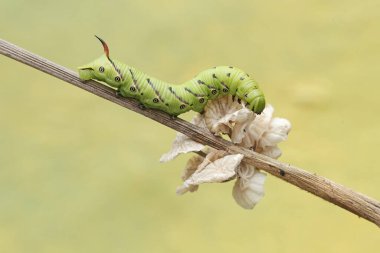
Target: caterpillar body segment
175,99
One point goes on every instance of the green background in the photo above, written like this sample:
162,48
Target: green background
80,174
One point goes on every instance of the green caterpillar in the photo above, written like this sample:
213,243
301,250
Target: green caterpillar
174,99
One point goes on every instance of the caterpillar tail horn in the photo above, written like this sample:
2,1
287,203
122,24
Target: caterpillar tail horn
105,46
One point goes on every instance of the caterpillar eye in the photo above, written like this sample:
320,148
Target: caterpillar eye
133,89
155,100
182,107
225,90
101,69
117,78
213,92
201,100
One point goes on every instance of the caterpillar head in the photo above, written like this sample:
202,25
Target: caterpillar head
102,69
256,100
258,105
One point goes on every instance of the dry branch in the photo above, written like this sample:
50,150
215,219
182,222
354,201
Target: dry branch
337,194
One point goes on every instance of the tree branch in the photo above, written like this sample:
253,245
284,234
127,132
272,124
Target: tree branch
324,188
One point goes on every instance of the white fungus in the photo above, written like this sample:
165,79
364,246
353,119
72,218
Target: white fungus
261,133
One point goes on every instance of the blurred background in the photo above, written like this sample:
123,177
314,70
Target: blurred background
80,174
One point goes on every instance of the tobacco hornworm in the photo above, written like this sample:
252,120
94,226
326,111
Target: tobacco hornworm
174,99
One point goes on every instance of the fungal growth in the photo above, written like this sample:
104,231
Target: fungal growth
261,133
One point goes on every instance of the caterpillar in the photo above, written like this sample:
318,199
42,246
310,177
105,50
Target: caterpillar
170,98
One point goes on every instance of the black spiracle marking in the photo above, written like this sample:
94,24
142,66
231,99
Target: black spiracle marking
116,68
225,89
201,100
155,90
182,107
134,80
225,86
203,83
132,88
156,100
